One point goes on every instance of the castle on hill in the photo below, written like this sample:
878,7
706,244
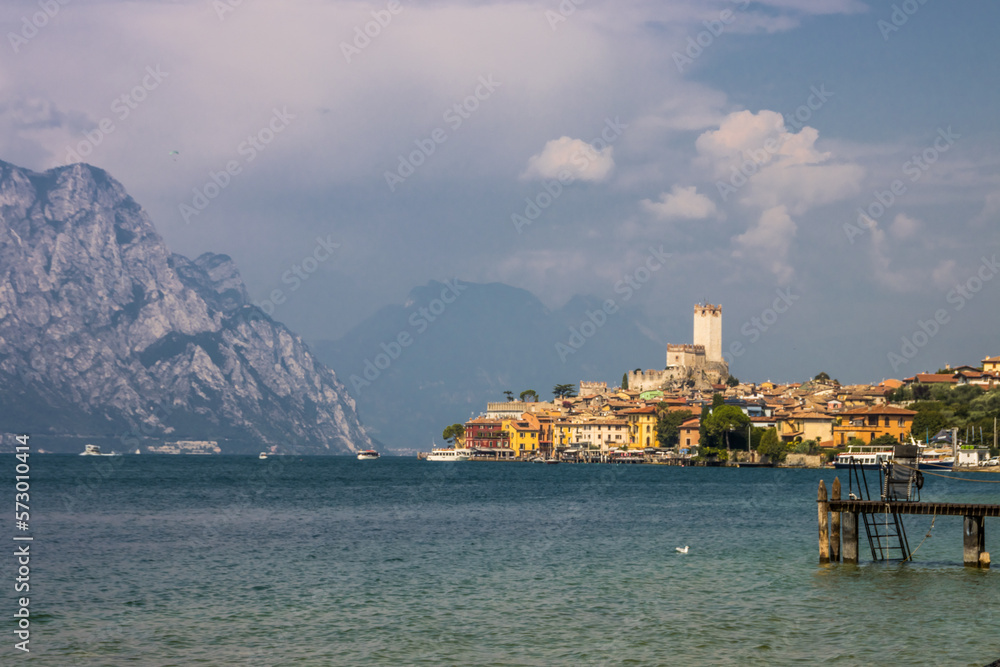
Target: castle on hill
698,365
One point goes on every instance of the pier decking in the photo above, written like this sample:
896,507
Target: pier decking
845,515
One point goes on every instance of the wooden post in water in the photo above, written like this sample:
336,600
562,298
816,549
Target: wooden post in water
850,537
824,524
835,524
975,539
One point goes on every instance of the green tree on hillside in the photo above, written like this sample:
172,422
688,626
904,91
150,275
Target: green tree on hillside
509,394
454,433
564,391
732,381
668,426
724,419
703,438
625,380
529,393
885,441
771,447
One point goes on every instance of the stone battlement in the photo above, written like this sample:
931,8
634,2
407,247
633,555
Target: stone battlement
690,349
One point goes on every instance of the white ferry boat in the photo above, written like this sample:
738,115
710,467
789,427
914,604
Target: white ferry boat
367,454
871,458
94,450
449,455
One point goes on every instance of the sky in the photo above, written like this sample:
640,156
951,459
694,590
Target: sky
827,170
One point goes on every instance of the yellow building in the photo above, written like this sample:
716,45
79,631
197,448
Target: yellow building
805,425
641,428
872,422
991,364
522,434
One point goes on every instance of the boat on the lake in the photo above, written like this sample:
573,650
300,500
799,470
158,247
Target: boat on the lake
262,455
367,454
872,457
449,455
95,450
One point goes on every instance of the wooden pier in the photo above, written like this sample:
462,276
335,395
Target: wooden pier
845,515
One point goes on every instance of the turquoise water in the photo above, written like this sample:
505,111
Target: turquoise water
333,561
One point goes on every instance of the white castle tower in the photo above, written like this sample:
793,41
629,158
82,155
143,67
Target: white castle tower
708,330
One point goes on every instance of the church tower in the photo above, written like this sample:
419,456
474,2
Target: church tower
708,330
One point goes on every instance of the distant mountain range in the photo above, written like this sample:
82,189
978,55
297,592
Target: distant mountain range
438,358
106,337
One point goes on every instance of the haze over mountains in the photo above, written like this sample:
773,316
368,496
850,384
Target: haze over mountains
438,358
106,337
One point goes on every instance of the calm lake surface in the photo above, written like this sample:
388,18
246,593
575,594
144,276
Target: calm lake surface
174,560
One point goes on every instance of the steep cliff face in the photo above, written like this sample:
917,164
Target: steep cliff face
104,333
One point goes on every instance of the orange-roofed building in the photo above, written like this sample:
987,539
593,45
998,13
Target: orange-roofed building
872,422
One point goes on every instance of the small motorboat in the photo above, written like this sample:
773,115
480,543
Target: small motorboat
262,455
95,450
367,455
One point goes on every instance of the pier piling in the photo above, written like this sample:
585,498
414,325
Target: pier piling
824,524
850,522
835,523
975,540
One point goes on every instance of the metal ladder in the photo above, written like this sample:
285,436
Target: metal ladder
886,539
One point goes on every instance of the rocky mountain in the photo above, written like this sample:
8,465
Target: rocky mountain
106,336
417,367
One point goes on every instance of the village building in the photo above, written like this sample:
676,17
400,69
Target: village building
872,422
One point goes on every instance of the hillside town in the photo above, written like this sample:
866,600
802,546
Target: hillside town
694,412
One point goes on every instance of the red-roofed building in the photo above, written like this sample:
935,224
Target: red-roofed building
931,378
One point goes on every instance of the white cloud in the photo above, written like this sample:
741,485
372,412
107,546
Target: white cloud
944,274
756,156
681,202
991,210
903,226
572,159
768,242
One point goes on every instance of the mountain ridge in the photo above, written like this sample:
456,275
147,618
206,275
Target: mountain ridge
104,332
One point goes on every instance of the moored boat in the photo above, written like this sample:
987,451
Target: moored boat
872,457
449,455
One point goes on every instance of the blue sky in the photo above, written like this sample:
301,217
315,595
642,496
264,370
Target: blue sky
331,114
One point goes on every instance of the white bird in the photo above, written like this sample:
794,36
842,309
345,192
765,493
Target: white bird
682,550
